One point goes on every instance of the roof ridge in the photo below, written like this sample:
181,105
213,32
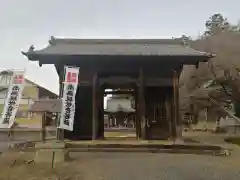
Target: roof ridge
175,41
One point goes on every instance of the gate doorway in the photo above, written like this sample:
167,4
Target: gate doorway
120,114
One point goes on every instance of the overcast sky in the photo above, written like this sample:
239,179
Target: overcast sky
27,22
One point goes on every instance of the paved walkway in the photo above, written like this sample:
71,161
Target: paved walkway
144,166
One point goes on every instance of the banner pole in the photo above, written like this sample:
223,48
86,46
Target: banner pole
67,91
59,133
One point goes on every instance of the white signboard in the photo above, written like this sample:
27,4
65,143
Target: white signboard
70,85
13,99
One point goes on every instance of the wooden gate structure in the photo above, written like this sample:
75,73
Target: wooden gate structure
151,67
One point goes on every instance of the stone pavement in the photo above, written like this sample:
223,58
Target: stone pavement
147,166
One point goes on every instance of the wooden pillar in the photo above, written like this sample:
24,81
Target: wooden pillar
206,120
175,104
60,132
137,113
94,107
142,104
43,130
178,117
109,121
100,109
177,101
168,114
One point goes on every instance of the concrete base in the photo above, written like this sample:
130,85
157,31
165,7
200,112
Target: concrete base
51,151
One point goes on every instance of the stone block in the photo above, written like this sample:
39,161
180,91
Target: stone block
50,145
46,152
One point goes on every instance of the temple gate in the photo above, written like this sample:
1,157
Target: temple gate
150,67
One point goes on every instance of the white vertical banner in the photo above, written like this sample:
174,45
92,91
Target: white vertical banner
13,99
70,86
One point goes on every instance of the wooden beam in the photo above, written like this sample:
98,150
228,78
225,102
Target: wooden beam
117,80
158,82
149,81
121,86
119,92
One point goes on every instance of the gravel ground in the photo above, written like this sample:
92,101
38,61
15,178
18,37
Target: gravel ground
123,166
143,166
148,166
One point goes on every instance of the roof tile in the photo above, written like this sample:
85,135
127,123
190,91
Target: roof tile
153,47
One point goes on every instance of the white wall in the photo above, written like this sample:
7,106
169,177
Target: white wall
5,80
23,101
3,94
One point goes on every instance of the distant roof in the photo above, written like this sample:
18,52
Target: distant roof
6,72
134,47
40,86
119,105
46,105
10,73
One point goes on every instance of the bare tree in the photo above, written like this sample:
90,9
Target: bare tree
223,39
225,67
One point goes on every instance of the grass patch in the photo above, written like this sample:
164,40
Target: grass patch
26,121
233,140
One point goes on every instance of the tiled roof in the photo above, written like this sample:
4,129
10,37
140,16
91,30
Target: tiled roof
46,105
147,47
119,105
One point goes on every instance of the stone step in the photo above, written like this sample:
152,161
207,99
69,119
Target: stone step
220,152
147,146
